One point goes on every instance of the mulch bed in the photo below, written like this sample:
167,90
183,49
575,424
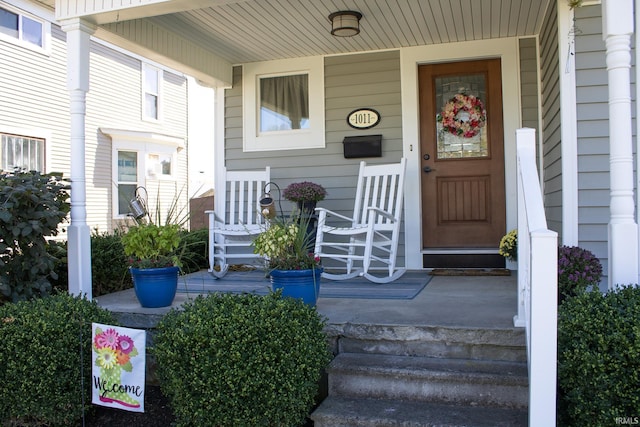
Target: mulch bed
157,413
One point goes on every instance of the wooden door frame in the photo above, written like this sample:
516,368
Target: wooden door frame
507,50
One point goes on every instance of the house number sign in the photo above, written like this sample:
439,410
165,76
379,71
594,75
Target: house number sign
363,118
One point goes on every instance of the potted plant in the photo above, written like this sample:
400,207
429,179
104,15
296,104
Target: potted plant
306,194
153,262
509,245
292,265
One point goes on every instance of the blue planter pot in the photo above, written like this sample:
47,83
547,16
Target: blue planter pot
303,284
155,287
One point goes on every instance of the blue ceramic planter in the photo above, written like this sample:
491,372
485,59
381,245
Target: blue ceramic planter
303,284
155,287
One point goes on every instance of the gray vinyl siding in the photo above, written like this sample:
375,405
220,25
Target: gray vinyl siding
529,83
355,81
351,81
593,134
551,135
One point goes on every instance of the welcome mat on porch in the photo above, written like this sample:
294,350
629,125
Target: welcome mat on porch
470,272
406,287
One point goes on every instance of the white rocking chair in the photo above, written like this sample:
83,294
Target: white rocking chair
372,233
236,220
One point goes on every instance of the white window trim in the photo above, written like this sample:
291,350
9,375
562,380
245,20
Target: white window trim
143,143
285,140
160,72
38,134
35,13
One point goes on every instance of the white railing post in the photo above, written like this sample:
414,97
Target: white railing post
537,285
543,325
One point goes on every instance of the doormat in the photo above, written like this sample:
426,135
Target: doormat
406,287
470,272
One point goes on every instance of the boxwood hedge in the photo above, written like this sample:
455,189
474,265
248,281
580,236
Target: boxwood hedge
241,360
599,358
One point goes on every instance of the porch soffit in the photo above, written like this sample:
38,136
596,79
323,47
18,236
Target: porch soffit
127,26
242,31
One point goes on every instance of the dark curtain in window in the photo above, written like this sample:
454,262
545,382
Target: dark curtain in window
287,96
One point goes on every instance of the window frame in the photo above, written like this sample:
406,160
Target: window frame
159,94
144,144
20,41
138,183
42,134
296,139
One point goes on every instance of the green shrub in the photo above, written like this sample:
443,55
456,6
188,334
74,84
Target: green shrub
109,272
109,267
32,206
241,360
45,360
599,358
57,249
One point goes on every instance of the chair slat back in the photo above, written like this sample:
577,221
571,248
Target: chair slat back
239,203
380,186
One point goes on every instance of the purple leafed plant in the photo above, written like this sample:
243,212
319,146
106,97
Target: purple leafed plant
304,192
578,269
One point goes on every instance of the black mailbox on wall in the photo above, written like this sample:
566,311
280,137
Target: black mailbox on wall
362,146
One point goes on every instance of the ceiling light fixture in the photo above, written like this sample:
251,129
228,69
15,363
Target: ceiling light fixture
345,23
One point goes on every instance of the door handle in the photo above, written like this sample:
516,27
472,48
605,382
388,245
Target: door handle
427,169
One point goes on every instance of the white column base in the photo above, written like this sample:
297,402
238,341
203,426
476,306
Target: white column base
79,260
623,254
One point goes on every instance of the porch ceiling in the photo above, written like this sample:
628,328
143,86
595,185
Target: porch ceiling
260,30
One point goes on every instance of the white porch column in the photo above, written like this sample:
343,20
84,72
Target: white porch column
78,235
617,17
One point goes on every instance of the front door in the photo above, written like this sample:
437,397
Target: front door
462,155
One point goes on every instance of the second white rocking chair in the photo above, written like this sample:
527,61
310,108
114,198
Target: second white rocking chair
236,220
373,232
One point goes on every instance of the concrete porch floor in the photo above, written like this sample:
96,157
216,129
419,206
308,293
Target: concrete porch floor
483,302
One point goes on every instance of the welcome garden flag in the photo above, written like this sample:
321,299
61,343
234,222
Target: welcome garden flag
118,360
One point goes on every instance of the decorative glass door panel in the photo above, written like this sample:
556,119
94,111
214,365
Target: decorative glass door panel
461,120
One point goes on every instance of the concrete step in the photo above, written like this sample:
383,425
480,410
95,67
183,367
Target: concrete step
361,412
459,381
432,341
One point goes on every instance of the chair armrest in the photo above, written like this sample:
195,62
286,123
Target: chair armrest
382,213
327,212
216,218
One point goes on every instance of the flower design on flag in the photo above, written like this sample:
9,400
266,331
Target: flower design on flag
121,347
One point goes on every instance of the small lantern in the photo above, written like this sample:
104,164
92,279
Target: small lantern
267,203
268,206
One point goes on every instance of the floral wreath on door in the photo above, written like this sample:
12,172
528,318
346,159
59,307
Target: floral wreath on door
463,116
